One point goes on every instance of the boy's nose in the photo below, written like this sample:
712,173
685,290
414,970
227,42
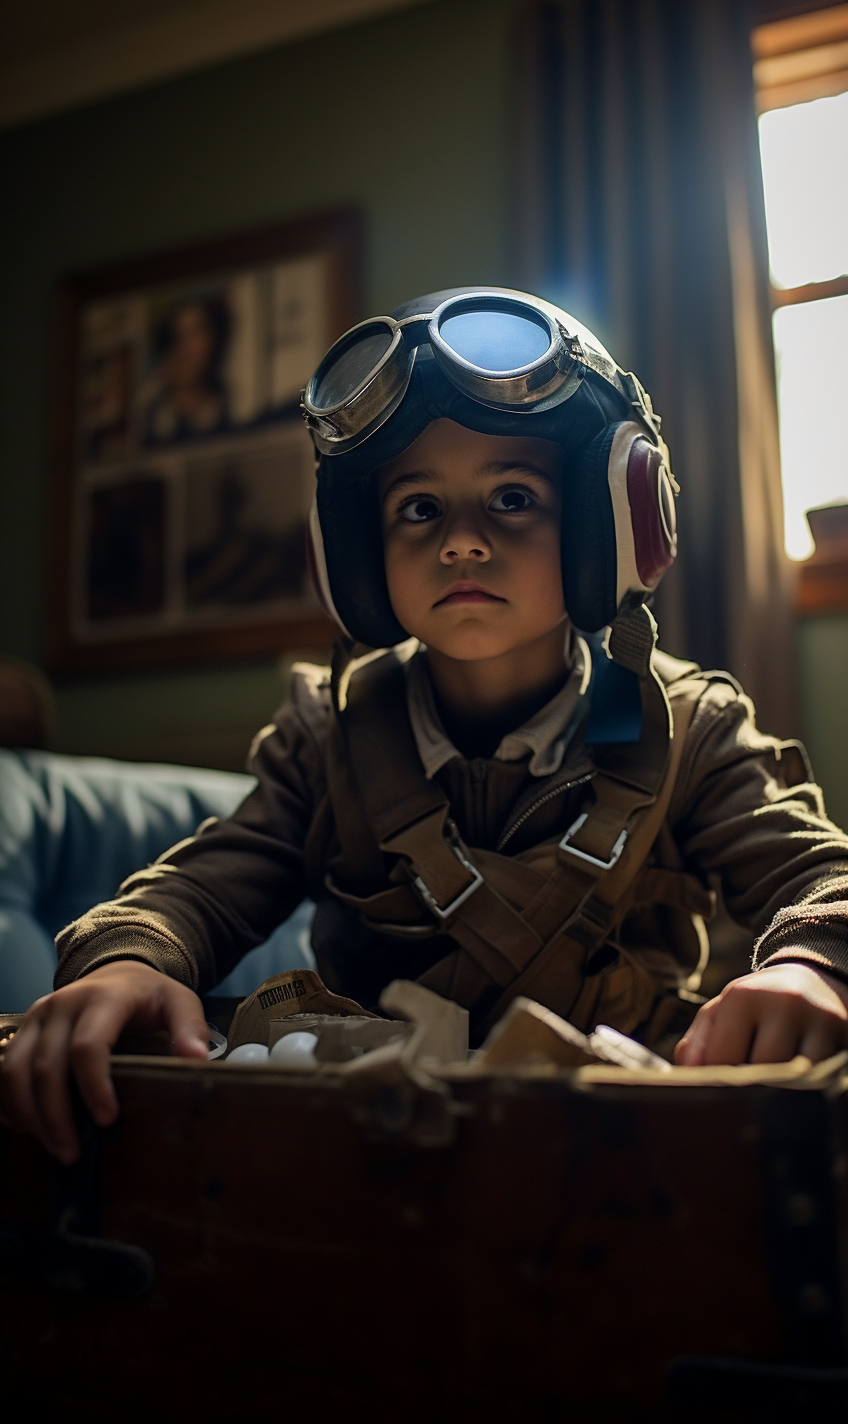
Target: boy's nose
464,542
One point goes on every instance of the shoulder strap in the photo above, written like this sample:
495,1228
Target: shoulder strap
409,818
558,971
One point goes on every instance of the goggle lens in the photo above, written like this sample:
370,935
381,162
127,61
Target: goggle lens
495,341
347,371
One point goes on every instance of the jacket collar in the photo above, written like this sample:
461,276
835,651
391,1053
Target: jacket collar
543,739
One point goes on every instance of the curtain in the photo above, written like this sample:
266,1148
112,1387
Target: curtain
637,205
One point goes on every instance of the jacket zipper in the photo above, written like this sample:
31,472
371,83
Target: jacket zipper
531,810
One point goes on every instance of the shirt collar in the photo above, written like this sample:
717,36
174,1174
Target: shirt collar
543,738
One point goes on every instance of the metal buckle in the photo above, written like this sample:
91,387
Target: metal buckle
615,853
429,898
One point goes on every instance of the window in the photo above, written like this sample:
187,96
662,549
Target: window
801,74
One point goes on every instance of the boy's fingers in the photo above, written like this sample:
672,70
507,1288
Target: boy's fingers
731,1031
776,1040
769,1017
76,1028
100,1026
17,1104
820,1041
689,1052
49,1074
97,1030
185,1021
28,1080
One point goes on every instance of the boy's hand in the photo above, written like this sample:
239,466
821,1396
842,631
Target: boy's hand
769,1017
75,1029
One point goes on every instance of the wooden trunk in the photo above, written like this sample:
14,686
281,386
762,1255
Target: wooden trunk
503,1248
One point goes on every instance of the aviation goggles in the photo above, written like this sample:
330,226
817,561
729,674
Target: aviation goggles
509,352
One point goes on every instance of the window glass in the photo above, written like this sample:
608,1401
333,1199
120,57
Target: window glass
805,172
811,346
804,149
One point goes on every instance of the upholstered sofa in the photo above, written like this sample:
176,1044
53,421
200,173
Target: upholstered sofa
72,828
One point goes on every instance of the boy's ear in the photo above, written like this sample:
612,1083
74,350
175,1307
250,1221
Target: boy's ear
589,556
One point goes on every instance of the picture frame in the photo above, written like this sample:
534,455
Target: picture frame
182,470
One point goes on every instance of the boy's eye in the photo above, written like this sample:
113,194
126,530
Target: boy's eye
420,508
512,501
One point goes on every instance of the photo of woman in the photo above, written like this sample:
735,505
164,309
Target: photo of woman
189,347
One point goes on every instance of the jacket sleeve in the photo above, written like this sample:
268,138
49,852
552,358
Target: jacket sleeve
746,807
199,908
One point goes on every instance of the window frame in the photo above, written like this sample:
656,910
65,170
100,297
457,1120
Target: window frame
797,60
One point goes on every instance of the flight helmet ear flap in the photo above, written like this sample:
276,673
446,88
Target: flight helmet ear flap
619,533
588,536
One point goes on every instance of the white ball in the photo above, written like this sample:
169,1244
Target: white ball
249,1053
295,1048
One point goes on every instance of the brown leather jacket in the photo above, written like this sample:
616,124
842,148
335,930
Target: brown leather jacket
744,807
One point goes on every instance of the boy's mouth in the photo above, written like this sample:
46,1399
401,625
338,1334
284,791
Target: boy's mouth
465,592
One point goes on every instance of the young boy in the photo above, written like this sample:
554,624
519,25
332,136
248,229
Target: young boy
497,804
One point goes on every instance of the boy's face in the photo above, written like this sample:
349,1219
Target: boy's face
471,530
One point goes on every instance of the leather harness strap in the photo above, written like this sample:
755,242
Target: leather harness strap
407,816
588,926
675,888
512,922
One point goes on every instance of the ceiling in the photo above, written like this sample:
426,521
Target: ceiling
59,54
32,28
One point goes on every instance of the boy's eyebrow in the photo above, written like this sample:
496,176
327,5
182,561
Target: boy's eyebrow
492,467
412,477
504,466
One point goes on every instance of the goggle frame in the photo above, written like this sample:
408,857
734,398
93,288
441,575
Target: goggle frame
343,425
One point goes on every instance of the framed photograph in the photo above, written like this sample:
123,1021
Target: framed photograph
183,471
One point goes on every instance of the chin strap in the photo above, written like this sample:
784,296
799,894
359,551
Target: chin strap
633,636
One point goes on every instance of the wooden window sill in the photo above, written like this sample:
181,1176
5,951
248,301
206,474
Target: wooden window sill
823,585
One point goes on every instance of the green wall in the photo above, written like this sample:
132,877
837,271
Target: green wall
404,116
823,669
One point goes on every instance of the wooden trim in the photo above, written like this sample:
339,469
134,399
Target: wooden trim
822,587
801,31
810,292
338,234
801,91
801,64
801,58
338,230
211,646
